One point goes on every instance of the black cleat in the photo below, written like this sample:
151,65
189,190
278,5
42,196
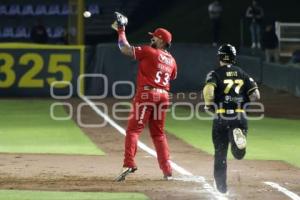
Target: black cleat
222,189
124,173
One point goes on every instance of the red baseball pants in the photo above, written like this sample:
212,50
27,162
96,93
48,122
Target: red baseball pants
148,106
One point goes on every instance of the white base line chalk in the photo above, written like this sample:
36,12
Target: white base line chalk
283,190
176,167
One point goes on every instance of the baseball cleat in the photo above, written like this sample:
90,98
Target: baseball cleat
168,177
221,190
124,173
239,138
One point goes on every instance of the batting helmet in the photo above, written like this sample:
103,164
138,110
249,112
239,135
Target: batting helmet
227,53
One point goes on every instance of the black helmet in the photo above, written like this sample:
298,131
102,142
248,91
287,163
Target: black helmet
227,53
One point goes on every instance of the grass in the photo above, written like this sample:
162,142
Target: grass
268,139
26,127
41,195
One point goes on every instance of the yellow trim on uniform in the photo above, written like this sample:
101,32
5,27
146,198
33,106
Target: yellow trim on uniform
211,83
24,45
222,110
80,22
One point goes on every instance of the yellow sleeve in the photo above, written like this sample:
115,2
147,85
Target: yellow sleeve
208,93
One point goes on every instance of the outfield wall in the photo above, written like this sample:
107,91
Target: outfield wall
276,76
194,62
29,70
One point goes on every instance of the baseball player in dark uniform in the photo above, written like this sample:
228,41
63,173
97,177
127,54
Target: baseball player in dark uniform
156,68
228,88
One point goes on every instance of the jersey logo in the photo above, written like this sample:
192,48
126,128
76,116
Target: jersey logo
164,59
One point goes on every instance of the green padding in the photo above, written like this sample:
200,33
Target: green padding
193,61
110,62
251,65
277,76
26,127
268,139
41,195
282,77
193,64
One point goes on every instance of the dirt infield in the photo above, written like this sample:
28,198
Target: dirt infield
95,173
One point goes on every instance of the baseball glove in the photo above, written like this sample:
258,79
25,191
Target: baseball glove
121,21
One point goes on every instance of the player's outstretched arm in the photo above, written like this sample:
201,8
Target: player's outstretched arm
119,26
123,44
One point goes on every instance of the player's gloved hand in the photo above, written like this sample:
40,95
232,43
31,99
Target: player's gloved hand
121,22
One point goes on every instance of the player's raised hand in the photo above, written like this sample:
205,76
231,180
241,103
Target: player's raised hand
121,21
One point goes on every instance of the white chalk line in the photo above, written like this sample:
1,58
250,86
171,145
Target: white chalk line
188,175
283,190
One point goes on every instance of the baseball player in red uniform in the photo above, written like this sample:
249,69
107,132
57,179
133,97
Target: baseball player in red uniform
156,68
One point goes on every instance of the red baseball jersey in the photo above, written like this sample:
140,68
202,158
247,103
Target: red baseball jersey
156,67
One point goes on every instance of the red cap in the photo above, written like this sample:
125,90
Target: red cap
163,34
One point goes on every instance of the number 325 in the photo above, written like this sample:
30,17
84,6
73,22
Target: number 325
57,63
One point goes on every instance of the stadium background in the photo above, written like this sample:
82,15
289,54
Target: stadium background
63,159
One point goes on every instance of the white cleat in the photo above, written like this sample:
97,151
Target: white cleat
239,138
168,177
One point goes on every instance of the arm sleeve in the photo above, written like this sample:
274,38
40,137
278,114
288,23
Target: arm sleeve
208,94
250,84
209,88
211,79
140,52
